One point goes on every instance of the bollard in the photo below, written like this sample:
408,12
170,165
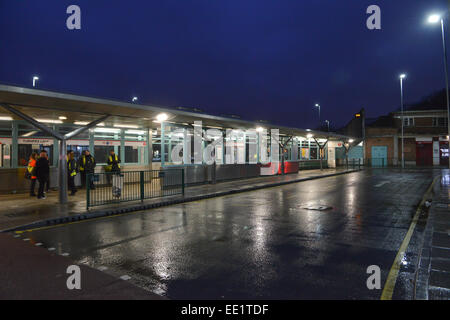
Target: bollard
88,194
141,182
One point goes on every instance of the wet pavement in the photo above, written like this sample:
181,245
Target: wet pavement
21,209
307,240
434,273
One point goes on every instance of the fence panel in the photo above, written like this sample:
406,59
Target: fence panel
109,187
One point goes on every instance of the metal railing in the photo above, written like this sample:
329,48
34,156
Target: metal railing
349,164
110,187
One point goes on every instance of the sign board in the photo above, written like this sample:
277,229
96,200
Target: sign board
135,144
5,140
81,142
107,142
36,141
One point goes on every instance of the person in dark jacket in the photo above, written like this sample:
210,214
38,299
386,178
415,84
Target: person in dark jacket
86,165
113,163
71,172
42,172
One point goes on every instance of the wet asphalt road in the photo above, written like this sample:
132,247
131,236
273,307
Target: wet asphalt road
268,244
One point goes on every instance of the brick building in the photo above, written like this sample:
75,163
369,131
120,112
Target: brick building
425,138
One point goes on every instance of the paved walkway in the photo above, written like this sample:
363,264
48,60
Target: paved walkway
30,272
433,281
21,209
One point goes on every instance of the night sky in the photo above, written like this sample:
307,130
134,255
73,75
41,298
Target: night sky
270,60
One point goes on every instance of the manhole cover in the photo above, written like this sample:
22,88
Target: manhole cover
318,208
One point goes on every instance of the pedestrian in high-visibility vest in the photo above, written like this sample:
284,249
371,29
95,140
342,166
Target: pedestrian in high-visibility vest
86,166
71,172
114,167
32,173
113,163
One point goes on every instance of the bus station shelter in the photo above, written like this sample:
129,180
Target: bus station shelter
143,136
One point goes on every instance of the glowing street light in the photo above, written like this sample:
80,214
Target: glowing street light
35,78
435,18
134,99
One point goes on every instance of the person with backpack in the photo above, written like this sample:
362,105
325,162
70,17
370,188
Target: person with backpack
71,171
30,174
86,165
42,173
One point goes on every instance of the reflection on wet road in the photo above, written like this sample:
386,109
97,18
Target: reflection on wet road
312,240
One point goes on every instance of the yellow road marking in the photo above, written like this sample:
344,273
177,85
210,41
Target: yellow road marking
389,286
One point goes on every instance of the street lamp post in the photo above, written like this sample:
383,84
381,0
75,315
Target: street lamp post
402,76
318,106
35,78
435,19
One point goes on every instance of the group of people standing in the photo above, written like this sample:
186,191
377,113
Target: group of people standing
39,170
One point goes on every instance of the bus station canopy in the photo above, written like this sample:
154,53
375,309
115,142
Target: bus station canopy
49,105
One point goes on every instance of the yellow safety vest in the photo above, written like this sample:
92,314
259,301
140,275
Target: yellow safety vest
109,166
73,172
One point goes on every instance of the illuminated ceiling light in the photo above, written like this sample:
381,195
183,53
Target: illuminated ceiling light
138,132
126,126
6,118
434,18
162,117
350,140
107,130
48,121
28,134
84,123
62,118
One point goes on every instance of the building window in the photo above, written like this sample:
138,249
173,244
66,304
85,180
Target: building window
440,122
408,121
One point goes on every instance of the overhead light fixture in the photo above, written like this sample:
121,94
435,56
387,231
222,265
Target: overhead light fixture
260,129
49,121
309,135
107,130
85,123
139,132
350,140
131,126
6,118
62,118
402,76
28,134
162,117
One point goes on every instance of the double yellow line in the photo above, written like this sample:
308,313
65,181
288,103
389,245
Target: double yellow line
389,286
